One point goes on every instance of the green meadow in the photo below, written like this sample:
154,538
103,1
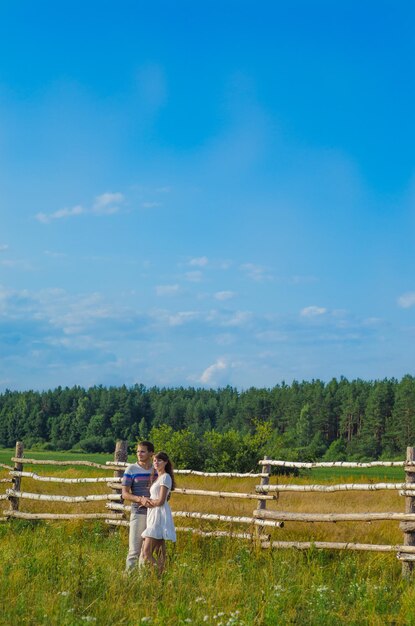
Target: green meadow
7,453
71,573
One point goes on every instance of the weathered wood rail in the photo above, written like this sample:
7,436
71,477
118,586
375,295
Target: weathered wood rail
345,464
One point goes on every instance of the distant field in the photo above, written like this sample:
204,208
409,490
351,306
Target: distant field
335,474
7,453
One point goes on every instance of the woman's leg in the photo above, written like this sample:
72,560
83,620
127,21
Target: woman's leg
161,555
149,546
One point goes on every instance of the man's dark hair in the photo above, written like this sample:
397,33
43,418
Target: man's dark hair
147,444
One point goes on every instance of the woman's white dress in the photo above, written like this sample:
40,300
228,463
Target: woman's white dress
159,518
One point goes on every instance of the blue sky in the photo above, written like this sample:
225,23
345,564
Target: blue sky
206,193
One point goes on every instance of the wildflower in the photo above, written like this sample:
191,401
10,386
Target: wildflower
146,619
63,593
200,599
205,618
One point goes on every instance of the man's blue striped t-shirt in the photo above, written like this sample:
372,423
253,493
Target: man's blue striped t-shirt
140,481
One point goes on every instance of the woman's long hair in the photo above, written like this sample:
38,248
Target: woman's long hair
162,456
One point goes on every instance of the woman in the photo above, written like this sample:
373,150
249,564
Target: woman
160,526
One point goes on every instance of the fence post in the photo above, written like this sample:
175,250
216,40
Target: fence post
409,535
120,456
18,467
266,470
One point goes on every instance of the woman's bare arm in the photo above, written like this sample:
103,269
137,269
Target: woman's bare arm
159,501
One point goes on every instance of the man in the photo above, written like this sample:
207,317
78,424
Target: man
136,483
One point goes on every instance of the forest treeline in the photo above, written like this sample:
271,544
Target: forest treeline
224,428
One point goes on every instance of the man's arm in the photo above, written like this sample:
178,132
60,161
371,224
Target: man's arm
128,495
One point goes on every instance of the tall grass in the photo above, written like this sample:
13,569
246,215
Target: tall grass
71,573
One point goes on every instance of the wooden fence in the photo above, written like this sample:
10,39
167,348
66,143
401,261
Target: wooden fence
405,552
115,511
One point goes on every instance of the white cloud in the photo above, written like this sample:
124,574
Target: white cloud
18,264
58,309
239,318
407,300
45,218
167,290
200,261
177,319
209,375
194,277
224,295
372,321
255,272
107,203
313,311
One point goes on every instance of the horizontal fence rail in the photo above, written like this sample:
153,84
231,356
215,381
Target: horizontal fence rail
223,494
347,464
209,516
190,472
203,533
334,517
342,487
59,479
61,516
62,463
222,533
332,545
215,494
12,493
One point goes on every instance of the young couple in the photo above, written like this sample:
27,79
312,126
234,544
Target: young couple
147,484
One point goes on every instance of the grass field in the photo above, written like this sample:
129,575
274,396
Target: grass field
71,573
